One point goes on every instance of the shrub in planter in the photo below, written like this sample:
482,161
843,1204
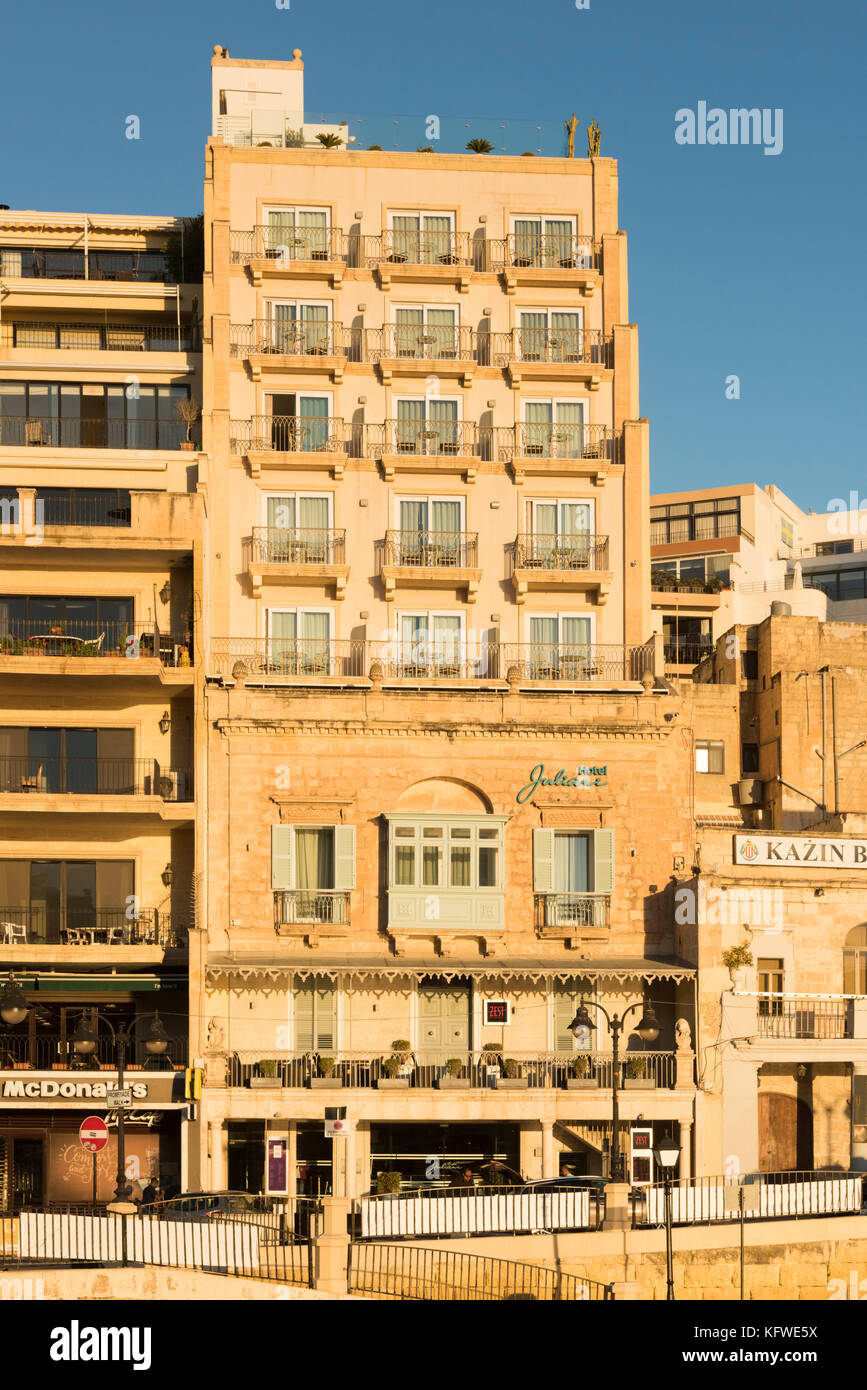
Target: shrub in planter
737,957
327,1065
511,1069
391,1066
454,1066
268,1067
635,1068
581,1067
388,1182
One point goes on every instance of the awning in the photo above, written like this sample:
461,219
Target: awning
618,968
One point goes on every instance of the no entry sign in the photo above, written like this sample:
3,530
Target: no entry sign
93,1134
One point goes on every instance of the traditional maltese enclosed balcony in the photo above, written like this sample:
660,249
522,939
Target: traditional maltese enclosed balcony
561,259
275,345
430,560
297,555
316,444
278,252
562,564
580,355
444,349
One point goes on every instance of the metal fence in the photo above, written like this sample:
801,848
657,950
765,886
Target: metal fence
94,637
431,549
55,1052
405,1272
766,1196
52,432
803,1017
98,337
95,777
584,551
472,1211
73,926
284,545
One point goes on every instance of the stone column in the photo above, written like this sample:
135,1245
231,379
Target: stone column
331,1248
685,1149
350,1180
215,1136
549,1169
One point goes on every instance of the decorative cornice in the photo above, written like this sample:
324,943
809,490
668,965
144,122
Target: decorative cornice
530,733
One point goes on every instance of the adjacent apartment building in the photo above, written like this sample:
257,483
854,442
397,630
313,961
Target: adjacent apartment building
443,796
99,625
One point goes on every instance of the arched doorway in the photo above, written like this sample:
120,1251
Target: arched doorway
785,1133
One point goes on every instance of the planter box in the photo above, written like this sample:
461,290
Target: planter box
453,1083
393,1083
257,1083
639,1083
326,1083
512,1083
582,1083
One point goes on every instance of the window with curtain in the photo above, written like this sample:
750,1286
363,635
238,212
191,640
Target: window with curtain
314,869
571,863
543,241
560,532
427,426
298,528
299,641
430,643
297,234
560,645
460,854
550,335
430,531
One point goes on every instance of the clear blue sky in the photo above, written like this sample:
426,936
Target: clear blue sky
740,263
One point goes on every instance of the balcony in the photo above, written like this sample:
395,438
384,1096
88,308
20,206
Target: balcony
575,662
98,337
37,647
561,564
665,531
55,1052
584,355
417,350
269,345
561,260
429,257
45,432
426,446
290,253
64,925
296,661
314,444
481,1070
281,555
61,263
796,1028
310,910
430,559
93,782
686,651
566,914
801,1016
555,450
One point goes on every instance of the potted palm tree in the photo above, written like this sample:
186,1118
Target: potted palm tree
479,145
329,141
453,1077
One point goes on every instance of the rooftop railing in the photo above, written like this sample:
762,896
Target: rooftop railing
280,545
431,549
70,925
95,777
584,551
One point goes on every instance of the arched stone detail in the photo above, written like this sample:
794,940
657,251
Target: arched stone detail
448,795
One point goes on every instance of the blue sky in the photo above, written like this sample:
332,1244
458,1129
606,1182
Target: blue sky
741,263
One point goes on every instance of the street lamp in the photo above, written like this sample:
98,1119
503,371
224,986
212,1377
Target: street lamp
13,1006
647,1029
84,1043
667,1152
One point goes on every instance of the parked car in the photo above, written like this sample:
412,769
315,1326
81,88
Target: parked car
212,1206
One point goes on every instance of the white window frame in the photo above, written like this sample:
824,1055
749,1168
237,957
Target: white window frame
429,614
554,401
271,303
404,396
295,494
428,498
543,217
446,823
454,308
296,208
298,610
581,613
268,395
420,213
558,502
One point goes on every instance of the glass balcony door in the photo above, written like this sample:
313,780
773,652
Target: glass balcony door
560,646
430,643
299,641
543,241
427,426
554,429
298,529
430,531
297,234
298,328
421,238
560,533
425,333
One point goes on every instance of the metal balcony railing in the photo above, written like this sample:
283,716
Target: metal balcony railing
676,529
415,248
449,342
572,909
287,245
98,337
66,924
533,440
580,346
441,438
583,551
575,661
95,777
662,583
559,251
686,651
424,1070
315,906
54,1052
282,338
79,507
39,263
276,545
288,434
431,549
40,637
252,657
434,658
803,1017
49,432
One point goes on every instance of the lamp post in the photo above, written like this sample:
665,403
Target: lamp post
667,1152
13,1006
84,1043
647,1029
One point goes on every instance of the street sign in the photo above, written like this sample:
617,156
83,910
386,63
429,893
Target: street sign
115,1098
335,1121
93,1134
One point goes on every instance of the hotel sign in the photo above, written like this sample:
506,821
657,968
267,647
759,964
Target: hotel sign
758,851
584,776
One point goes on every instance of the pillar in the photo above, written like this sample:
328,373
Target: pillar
331,1248
548,1165
215,1150
685,1149
349,1180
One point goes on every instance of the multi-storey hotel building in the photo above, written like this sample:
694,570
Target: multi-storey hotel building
439,798
99,615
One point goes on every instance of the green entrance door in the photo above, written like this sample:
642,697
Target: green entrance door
444,1020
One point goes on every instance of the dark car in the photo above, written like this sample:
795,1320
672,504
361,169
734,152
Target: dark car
212,1206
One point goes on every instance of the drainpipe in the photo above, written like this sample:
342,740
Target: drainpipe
834,744
86,248
824,744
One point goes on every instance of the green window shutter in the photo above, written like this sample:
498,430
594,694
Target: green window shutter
543,861
283,856
849,982
603,861
304,995
344,857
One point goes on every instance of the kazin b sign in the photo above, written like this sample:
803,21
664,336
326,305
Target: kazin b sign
759,851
